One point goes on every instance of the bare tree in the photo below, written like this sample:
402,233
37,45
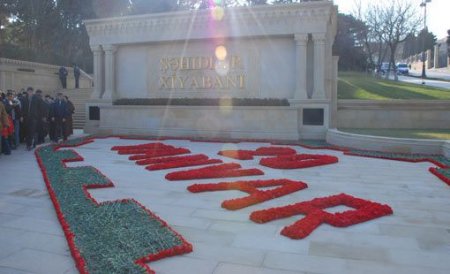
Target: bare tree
400,21
389,24
374,44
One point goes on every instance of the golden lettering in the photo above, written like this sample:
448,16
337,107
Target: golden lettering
194,83
174,73
164,64
184,61
174,63
164,82
218,82
231,82
207,83
236,62
182,81
173,78
242,81
196,63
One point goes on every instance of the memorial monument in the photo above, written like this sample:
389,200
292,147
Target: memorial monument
282,53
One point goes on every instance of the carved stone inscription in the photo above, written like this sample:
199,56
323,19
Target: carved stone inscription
202,73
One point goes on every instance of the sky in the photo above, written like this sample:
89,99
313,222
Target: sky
438,13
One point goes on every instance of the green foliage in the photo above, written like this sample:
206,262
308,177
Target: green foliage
202,102
401,156
366,87
348,44
416,44
48,31
154,6
109,236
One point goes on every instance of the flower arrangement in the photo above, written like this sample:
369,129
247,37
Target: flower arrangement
256,196
183,163
159,153
262,151
438,160
237,154
268,151
216,171
157,145
364,210
150,161
298,161
441,173
109,237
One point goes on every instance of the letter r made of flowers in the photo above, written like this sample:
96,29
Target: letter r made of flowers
315,214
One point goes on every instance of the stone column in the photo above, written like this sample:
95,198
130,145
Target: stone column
319,66
98,72
110,77
333,107
301,41
436,56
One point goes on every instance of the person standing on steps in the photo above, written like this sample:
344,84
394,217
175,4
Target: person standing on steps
63,76
76,74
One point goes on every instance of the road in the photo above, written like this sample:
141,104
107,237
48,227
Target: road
428,82
438,74
443,74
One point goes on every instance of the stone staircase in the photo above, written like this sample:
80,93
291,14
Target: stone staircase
79,98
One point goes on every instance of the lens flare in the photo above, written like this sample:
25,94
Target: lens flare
230,147
217,13
222,67
221,53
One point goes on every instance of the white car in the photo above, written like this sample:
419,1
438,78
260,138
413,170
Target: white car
402,69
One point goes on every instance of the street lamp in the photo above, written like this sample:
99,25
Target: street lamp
424,6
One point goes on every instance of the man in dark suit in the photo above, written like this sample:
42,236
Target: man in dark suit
63,76
59,113
76,75
34,113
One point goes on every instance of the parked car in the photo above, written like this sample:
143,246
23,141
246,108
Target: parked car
402,69
384,68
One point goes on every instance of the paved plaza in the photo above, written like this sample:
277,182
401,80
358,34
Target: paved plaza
415,239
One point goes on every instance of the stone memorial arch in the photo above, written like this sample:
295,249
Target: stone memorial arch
271,51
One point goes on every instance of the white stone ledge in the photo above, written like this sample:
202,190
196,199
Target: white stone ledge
286,19
386,144
251,122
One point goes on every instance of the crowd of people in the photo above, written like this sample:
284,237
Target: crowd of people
28,117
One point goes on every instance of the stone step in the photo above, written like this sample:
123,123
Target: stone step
79,97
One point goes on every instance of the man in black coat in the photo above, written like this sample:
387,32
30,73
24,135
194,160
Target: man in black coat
59,113
63,76
34,114
76,75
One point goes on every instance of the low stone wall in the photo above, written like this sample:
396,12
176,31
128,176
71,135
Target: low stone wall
387,144
198,121
400,114
16,74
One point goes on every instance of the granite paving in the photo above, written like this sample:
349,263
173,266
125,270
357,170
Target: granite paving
415,239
